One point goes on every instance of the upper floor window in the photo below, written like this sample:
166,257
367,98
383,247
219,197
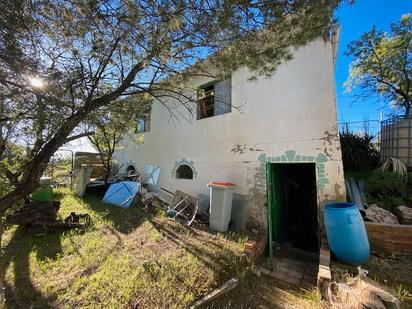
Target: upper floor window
143,124
214,99
206,101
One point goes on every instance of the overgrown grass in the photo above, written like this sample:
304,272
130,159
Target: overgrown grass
127,258
268,292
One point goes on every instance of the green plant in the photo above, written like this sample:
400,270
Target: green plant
401,292
358,151
394,165
382,64
386,189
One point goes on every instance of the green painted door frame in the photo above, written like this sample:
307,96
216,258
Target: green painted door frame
276,202
276,213
270,203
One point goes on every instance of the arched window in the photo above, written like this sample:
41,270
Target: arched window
131,169
184,172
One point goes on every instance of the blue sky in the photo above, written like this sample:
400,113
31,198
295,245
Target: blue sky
354,20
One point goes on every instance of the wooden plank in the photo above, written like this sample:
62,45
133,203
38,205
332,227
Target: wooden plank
225,288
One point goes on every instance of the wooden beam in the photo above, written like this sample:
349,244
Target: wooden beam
225,288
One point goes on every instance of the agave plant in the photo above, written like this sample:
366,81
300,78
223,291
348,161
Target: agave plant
394,165
358,151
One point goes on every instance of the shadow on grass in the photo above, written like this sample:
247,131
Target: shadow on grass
23,294
222,261
124,220
59,194
266,292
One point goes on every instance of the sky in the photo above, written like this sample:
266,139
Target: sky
354,20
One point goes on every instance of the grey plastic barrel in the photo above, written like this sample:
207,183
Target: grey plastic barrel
221,196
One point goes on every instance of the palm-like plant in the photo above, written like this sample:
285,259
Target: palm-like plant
358,151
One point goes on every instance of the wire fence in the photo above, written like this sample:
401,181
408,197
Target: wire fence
369,127
393,136
397,139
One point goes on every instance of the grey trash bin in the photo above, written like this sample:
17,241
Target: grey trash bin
221,196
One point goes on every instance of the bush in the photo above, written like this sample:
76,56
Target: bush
386,189
358,152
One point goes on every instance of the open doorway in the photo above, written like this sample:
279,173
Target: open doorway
292,197
294,205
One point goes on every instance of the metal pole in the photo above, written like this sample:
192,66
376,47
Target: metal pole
72,166
71,172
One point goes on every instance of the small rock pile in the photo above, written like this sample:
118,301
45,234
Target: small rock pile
404,214
375,213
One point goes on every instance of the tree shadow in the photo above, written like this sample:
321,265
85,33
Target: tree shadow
124,220
23,293
263,292
59,194
221,260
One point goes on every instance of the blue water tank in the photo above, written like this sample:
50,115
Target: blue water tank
346,233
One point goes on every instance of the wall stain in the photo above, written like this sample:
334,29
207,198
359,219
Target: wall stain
257,198
240,149
254,149
328,140
339,195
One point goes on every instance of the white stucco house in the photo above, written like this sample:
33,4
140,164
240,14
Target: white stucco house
286,122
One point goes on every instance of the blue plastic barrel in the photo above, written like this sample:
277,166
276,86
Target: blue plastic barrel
346,233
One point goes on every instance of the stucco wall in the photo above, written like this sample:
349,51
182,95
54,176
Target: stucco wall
289,117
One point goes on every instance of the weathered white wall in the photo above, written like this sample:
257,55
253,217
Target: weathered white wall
293,111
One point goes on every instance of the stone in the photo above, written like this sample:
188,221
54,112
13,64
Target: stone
375,213
256,271
255,231
265,271
361,293
404,214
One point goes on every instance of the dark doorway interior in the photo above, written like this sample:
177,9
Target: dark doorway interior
295,218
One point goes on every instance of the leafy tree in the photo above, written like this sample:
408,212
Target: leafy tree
62,61
383,64
112,123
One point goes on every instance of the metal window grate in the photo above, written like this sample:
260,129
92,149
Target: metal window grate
184,172
206,101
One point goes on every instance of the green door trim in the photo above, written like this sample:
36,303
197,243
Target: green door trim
270,204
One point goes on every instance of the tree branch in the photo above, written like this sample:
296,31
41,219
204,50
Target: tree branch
74,137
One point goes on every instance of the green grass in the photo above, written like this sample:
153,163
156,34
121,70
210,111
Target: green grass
126,258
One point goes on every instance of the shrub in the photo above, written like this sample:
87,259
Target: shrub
358,151
386,189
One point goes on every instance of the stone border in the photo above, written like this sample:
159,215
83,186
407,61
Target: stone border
324,273
389,237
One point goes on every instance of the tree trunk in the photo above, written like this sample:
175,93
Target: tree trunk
2,265
33,170
106,176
